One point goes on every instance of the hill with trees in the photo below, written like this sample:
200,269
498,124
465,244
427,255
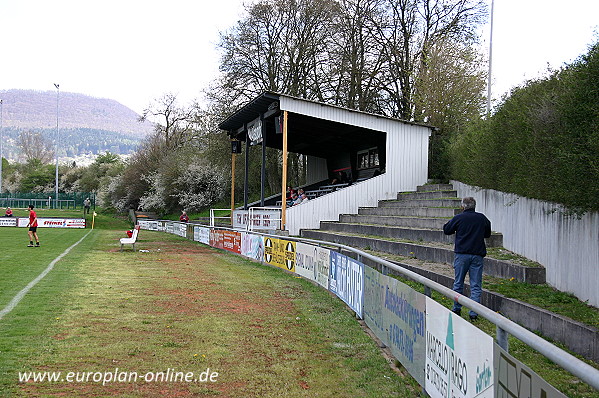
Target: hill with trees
87,125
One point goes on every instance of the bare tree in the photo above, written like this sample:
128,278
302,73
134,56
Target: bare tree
35,146
413,29
175,124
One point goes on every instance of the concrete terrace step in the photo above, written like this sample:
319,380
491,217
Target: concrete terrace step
410,222
413,234
497,268
410,211
427,195
434,187
450,203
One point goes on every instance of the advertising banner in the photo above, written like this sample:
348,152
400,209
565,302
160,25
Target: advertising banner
375,285
405,317
323,267
225,239
261,219
513,379
459,356
180,229
9,222
148,225
307,261
280,253
252,246
170,227
347,280
201,234
232,241
54,222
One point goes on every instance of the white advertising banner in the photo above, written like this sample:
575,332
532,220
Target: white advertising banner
148,225
323,267
201,234
180,229
252,246
261,219
459,356
513,379
169,227
8,221
54,222
309,262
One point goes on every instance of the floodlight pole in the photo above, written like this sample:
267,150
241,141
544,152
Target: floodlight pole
56,149
490,62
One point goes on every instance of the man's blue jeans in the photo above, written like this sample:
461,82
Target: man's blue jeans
468,264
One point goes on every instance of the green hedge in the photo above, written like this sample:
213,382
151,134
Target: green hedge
542,142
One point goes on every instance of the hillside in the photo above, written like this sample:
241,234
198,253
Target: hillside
87,125
37,109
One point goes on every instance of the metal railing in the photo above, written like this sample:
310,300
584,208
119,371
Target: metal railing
504,326
214,217
569,362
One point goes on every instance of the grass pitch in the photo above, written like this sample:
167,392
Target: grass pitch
180,306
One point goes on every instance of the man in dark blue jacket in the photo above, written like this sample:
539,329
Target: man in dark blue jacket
471,229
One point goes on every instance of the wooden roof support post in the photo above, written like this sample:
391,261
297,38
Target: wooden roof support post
284,174
232,186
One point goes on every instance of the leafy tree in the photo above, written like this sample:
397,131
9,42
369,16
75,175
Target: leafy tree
37,177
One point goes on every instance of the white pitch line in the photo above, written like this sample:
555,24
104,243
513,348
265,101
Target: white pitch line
13,303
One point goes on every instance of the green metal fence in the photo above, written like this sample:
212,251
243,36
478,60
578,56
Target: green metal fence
47,200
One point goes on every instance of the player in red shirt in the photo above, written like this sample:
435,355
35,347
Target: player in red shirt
33,228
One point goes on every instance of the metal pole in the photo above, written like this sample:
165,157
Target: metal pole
284,174
1,145
232,187
57,137
263,166
502,338
490,62
246,183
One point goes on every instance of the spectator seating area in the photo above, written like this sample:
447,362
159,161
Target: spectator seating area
324,189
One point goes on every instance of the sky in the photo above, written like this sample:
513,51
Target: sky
135,51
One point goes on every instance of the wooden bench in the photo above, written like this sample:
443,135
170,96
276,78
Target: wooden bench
132,239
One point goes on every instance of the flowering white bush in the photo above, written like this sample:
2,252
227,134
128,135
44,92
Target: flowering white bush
155,198
200,185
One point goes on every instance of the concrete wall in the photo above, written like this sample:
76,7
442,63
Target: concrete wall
567,246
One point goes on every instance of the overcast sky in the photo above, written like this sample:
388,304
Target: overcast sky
133,51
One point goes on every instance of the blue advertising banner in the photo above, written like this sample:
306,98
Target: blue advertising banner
347,280
405,324
374,300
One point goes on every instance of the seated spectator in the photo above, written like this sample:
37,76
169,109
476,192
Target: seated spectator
8,212
301,198
290,193
293,199
340,178
184,217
